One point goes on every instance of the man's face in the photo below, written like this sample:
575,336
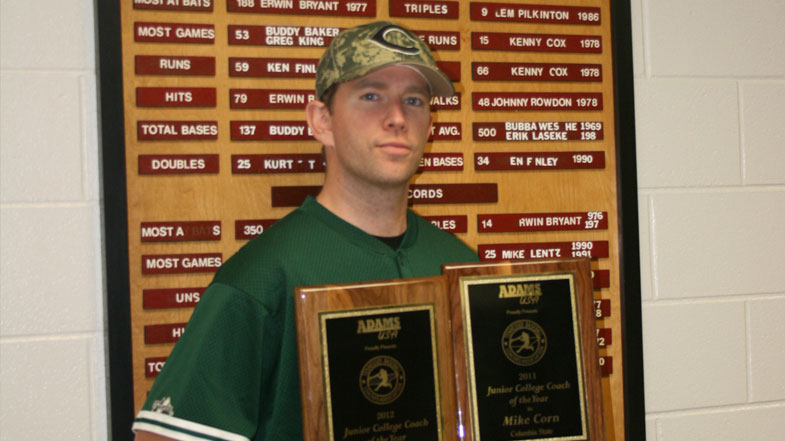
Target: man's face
379,126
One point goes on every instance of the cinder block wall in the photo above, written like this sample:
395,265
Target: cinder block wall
710,121
710,100
52,373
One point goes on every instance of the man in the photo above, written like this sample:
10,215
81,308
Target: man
234,374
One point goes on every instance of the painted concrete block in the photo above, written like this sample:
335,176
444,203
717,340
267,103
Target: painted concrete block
42,157
763,131
49,279
687,133
694,355
767,349
724,243
715,38
47,34
758,424
46,391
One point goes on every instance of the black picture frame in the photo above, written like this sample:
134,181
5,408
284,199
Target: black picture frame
113,174
115,219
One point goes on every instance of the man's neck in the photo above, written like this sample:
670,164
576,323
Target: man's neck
378,212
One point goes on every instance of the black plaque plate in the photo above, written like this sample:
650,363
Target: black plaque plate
381,375
524,357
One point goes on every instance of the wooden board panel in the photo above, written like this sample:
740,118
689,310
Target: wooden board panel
534,123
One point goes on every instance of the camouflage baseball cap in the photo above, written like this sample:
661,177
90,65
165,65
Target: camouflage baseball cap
362,49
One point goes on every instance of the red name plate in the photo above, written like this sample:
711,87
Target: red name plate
174,33
175,96
451,224
604,337
602,308
539,161
176,130
270,131
500,41
606,365
534,13
177,164
175,5
296,36
440,40
536,101
453,193
171,298
168,333
445,132
441,162
269,98
356,8
524,131
491,71
424,9
450,68
181,263
171,65
446,103
248,229
601,278
153,366
180,231
293,196
593,249
506,223
273,67
278,163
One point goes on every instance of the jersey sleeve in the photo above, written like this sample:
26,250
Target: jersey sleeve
210,386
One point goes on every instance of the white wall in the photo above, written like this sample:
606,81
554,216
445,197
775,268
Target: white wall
710,121
710,100
52,381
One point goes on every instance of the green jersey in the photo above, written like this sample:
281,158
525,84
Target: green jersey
234,373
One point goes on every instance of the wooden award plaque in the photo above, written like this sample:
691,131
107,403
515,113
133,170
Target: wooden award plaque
376,361
526,358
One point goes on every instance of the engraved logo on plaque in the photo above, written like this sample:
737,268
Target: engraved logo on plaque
524,342
382,380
